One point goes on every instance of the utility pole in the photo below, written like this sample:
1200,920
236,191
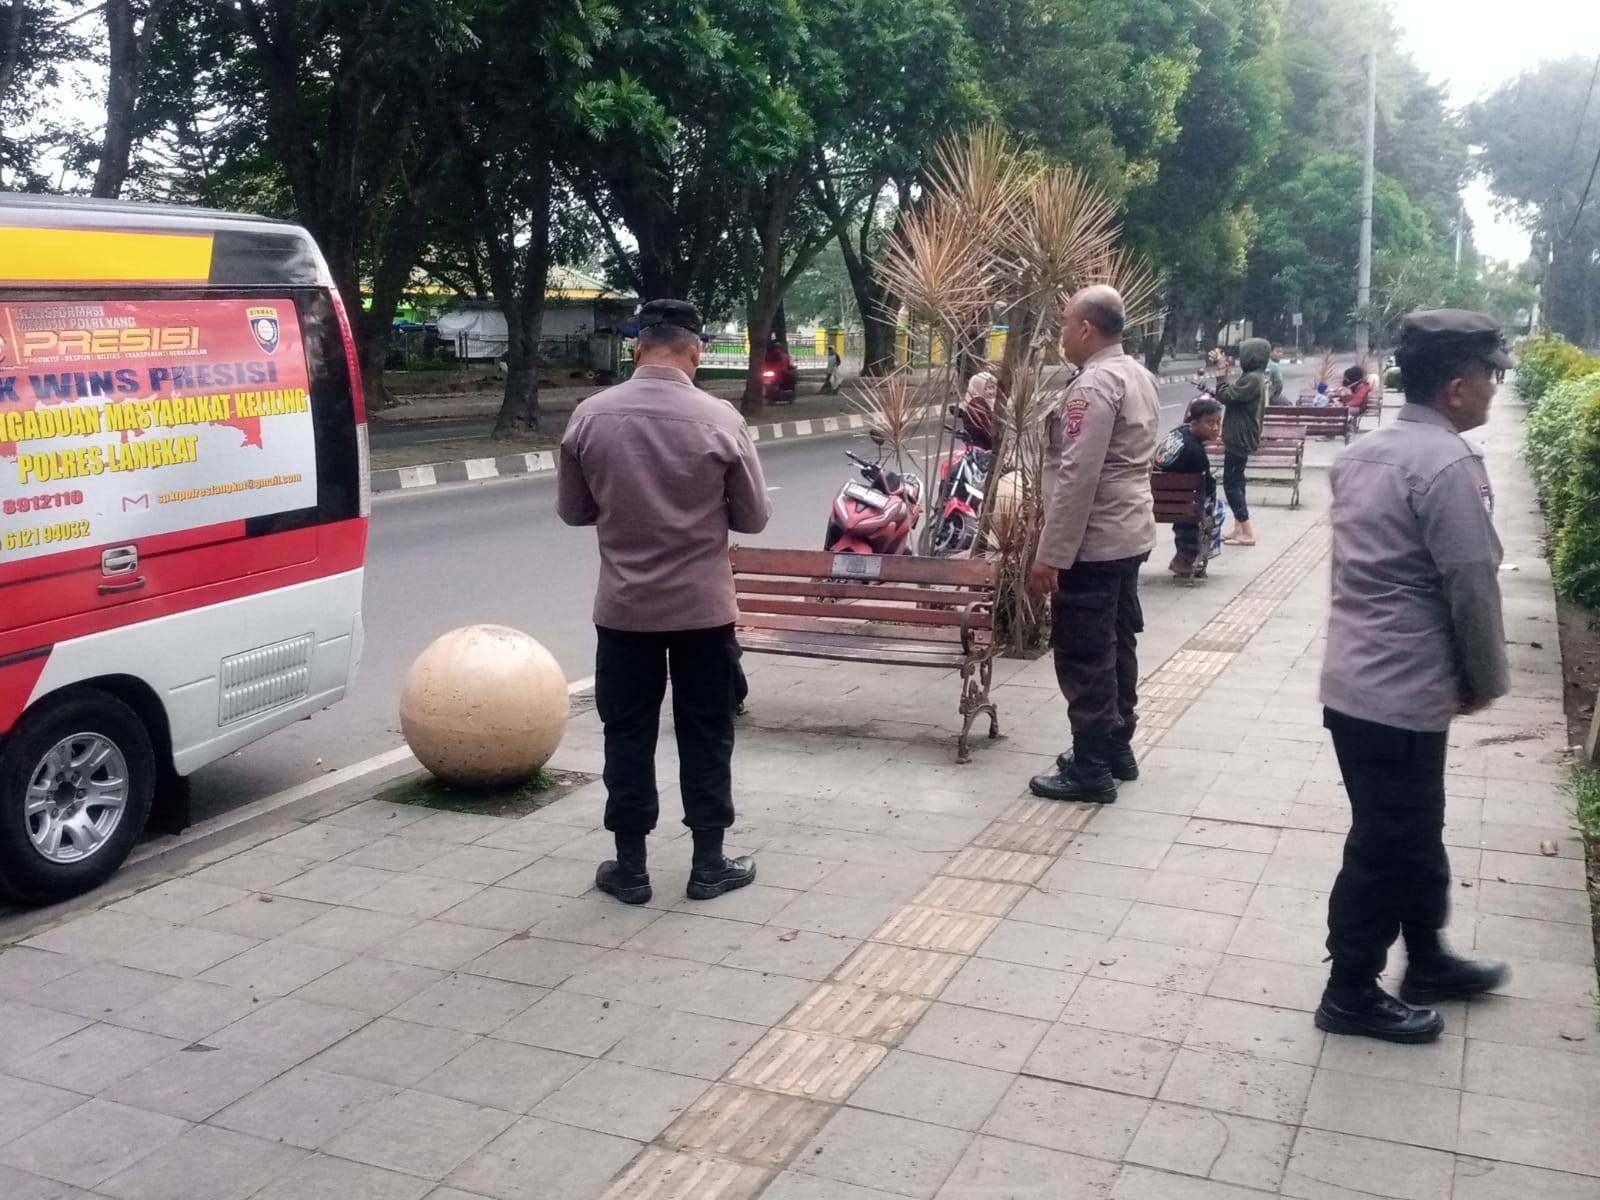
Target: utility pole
1461,225
1364,268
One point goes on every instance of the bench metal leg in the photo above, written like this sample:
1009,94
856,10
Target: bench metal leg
975,701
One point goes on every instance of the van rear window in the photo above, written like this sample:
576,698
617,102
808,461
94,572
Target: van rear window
120,419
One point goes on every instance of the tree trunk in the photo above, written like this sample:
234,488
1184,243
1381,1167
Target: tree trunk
11,47
873,301
127,54
519,409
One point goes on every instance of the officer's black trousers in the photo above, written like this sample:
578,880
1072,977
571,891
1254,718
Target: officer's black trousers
1095,621
630,682
1396,875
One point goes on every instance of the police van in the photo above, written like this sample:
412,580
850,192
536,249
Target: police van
183,515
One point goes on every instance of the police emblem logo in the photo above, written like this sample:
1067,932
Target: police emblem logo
1077,406
1486,494
264,325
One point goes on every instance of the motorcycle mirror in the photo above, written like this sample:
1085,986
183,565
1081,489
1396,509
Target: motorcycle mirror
876,436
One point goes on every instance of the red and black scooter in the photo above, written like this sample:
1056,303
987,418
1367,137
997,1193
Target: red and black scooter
877,517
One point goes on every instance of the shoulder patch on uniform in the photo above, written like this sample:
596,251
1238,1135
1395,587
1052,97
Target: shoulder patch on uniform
1076,407
1486,494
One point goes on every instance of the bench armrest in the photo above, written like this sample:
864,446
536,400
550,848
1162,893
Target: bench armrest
967,614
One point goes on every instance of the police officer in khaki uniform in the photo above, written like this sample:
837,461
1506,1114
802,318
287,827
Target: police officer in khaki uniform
1099,526
1415,638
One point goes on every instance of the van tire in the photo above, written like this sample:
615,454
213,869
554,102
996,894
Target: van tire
26,875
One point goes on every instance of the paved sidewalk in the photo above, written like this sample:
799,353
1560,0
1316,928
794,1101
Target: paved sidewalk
935,989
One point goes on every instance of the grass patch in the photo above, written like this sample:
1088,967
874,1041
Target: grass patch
1584,787
426,790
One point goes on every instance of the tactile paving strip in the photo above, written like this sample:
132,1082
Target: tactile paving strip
730,1144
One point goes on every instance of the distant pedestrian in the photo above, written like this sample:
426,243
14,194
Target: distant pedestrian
1415,638
1275,375
1243,409
1099,526
830,382
1183,451
664,471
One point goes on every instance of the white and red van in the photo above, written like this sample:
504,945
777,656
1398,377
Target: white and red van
183,514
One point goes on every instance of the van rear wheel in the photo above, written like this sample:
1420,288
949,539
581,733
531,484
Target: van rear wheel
77,777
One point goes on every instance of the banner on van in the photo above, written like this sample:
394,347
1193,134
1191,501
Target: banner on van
123,419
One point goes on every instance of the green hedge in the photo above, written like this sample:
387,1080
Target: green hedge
1545,361
1562,447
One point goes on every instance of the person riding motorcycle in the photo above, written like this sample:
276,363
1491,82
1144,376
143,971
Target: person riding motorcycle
778,360
977,410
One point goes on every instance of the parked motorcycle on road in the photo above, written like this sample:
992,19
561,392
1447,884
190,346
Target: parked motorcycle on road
962,478
877,516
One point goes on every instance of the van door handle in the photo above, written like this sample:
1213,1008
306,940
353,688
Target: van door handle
112,589
119,560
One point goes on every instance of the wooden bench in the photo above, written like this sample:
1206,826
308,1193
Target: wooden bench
1180,499
1278,461
896,609
1331,421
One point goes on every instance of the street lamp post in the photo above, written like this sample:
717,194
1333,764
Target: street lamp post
1364,267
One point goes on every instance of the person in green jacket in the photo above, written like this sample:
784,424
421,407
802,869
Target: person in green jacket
1244,403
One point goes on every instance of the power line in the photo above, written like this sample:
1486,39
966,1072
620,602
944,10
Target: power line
1584,199
1577,136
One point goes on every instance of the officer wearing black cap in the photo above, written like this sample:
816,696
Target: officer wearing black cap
664,471
1415,638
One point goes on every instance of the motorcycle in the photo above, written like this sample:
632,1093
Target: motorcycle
779,384
962,478
877,517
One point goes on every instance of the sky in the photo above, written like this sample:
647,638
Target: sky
1476,45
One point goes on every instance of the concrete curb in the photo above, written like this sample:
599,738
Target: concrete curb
398,479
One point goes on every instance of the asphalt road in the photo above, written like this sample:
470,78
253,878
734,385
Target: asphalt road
494,551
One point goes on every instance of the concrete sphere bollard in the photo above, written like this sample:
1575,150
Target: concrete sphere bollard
484,706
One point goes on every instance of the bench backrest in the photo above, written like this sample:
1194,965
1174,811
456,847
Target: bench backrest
1306,416
803,590
1180,496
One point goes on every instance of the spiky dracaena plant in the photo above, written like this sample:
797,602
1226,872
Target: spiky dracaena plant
1327,368
998,235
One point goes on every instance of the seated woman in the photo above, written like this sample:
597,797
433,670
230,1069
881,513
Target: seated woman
1355,390
1183,451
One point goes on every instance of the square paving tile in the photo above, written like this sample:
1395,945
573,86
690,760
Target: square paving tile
418,895
1132,1008
186,951
1437,1064
197,1081
614,1098
537,1159
842,916
686,1044
24,1185
99,990
370,985
253,870
1213,1145
536,961
557,876
1198,893
1540,1076
1178,927
1064,1116
1141,1183
471,1003
1176,967
1258,981
1480,1179
1014,988
932,1090
1535,1135
305,1107
1389,1109
1116,1062
796,953
441,945
1265,1088
476,864
694,936
262,916
121,1136
976,1036
25,1105
1326,1164
993,1168
577,1024
319,1177
29,1029
1256,1029
334,883
391,1051
203,1162
296,1029
353,930
793,1186
189,1010
502,908
1070,950
276,968
873,1150
397,853
93,1059
1075,910
503,1075
23,968
420,1134
98,936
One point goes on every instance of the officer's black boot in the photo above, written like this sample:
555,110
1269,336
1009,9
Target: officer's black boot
1360,1007
1086,775
1434,974
625,877
1119,758
714,873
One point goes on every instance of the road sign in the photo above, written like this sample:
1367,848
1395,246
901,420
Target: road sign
1297,320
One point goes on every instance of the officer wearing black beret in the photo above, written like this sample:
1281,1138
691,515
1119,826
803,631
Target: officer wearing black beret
1415,638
